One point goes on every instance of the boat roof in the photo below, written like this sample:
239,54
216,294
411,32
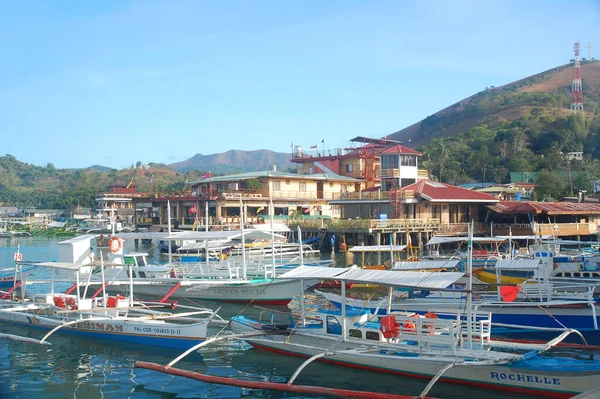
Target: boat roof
522,264
426,264
525,237
444,240
376,248
571,242
422,280
220,235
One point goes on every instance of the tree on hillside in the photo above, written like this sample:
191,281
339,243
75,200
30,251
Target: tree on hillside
550,186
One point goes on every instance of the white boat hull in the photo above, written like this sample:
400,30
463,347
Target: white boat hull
109,326
264,291
544,383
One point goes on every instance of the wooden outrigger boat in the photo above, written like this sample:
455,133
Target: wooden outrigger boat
110,317
455,349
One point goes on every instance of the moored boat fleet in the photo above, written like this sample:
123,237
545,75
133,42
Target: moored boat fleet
526,331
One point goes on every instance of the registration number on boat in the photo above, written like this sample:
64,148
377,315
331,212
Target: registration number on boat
157,330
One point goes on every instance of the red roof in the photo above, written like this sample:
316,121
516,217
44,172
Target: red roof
400,149
550,208
434,191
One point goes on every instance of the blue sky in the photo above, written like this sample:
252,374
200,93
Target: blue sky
115,82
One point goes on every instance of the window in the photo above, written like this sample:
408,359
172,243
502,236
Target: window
330,184
311,170
355,333
287,182
333,326
408,160
349,168
143,274
373,335
389,162
302,186
276,186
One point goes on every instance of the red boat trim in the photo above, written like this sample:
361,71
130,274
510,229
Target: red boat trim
498,387
274,386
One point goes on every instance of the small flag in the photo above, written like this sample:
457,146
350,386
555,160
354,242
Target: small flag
313,146
260,209
292,144
193,209
322,141
206,175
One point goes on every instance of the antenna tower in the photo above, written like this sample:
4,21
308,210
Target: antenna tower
577,103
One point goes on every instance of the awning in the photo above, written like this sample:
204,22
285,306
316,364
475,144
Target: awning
376,248
421,280
444,240
520,264
426,265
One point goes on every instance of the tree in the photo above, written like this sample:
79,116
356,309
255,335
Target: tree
550,186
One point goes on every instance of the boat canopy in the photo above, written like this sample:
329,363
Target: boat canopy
521,264
426,265
377,248
528,237
419,280
445,240
199,245
221,235
571,242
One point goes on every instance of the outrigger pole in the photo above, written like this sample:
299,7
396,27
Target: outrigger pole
274,386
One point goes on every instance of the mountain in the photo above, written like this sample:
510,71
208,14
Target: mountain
234,161
547,93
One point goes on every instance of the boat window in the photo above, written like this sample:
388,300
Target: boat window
373,335
586,274
142,274
132,272
567,274
576,274
333,326
129,260
355,333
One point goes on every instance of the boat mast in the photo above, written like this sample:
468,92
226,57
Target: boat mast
169,231
470,285
271,212
243,239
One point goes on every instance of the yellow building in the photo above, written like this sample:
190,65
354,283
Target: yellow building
292,195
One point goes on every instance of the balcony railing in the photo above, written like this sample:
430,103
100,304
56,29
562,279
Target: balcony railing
545,229
374,195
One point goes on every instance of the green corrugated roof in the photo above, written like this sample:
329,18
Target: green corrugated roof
532,177
281,175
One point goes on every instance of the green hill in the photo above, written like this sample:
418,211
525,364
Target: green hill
525,126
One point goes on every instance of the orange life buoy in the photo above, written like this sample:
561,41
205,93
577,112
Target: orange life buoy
58,301
410,326
111,302
389,327
431,315
114,244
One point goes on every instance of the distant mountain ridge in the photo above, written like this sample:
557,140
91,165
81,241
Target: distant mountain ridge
234,161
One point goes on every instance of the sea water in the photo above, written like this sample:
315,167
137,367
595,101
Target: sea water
75,367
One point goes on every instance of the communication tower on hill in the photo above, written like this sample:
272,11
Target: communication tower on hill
577,102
